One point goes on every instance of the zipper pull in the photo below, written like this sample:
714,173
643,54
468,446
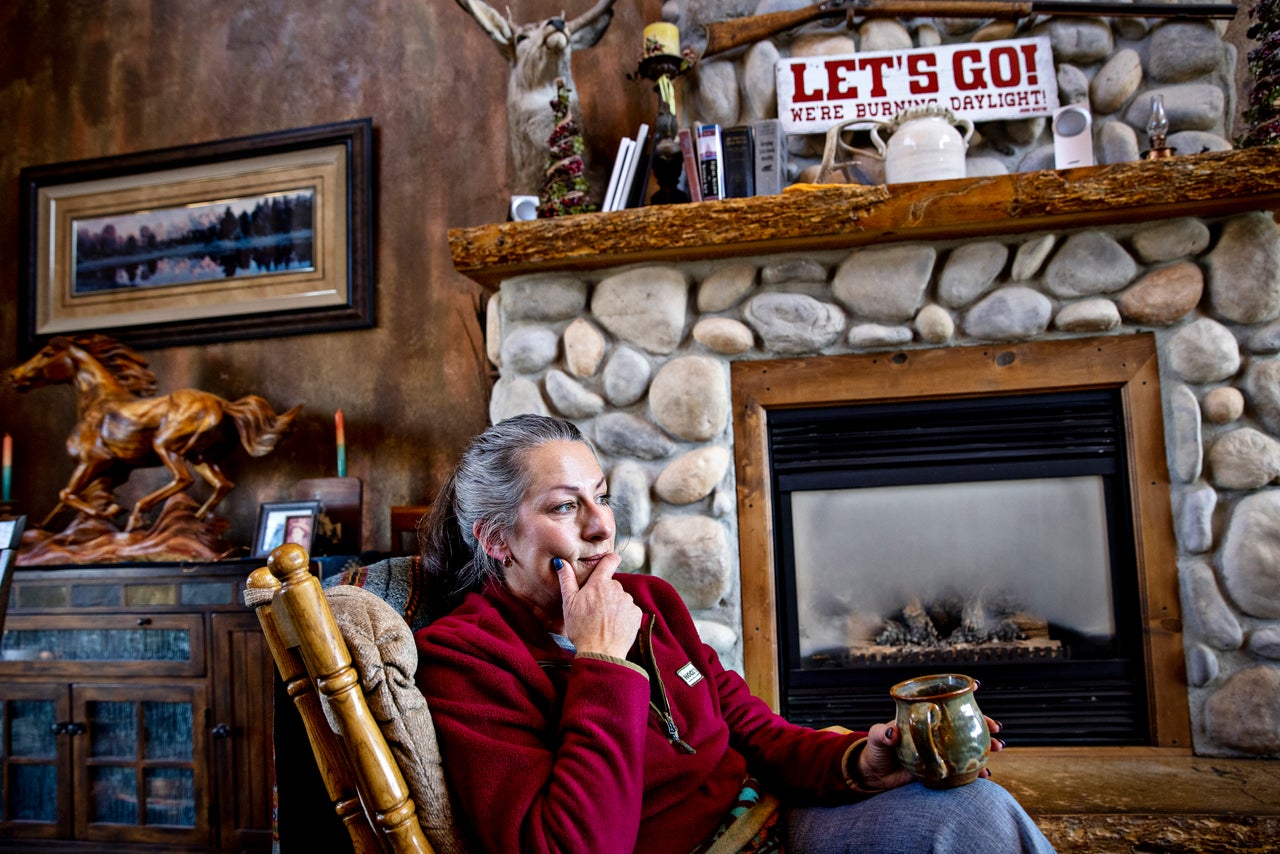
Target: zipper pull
674,735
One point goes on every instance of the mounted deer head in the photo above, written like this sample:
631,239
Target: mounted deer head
538,53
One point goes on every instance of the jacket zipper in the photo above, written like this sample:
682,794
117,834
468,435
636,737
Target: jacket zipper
658,700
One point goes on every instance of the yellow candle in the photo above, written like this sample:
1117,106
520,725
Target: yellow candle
661,39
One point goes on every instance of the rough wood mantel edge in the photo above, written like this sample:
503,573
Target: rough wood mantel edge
820,217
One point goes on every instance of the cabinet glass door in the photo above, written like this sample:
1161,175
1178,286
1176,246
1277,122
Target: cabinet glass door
141,763
34,761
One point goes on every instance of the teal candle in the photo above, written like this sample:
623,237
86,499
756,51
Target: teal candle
339,426
6,466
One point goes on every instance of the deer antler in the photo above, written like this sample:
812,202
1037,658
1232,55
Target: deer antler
602,7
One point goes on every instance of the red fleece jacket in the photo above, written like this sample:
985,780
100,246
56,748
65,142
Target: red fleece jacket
546,751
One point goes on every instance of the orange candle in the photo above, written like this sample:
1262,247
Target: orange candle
340,428
6,468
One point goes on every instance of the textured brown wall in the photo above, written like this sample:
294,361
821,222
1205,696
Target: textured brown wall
83,78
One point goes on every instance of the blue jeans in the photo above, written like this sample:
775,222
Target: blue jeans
980,818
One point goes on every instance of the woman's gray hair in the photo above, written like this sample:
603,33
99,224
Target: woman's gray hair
486,487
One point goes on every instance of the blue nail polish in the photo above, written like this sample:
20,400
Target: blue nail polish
557,564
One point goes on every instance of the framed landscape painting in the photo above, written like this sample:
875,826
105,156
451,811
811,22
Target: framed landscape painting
241,238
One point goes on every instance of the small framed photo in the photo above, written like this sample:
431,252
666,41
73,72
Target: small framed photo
281,522
11,532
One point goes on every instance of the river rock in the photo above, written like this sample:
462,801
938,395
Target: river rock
970,271
1223,404
1163,296
1244,458
626,376
569,398
1245,713
1251,555
1089,263
621,434
885,284
1169,240
1244,269
644,306
583,348
529,349
1185,450
692,476
1088,315
793,324
1262,385
1010,314
689,397
1117,79
1205,613
1182,50
543,297
692,553
723,335
726,287
633,509
1204,351
512,396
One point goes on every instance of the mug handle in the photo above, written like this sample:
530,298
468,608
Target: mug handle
924,719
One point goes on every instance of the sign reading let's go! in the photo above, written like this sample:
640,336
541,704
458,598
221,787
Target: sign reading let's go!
979,81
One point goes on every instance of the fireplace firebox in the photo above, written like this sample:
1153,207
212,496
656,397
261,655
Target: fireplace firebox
990,535
1001,511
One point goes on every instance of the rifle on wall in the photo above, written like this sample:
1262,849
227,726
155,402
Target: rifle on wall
736,32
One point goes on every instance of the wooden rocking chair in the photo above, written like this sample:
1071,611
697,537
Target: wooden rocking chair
364,772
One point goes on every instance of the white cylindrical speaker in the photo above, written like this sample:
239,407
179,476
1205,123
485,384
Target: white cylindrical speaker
1072,137
523,208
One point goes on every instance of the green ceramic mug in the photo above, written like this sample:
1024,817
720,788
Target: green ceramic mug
945,741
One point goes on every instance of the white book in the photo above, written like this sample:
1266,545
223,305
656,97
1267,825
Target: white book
770,157
710,160
624,192
619,166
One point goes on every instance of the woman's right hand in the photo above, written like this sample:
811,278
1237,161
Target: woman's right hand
599,616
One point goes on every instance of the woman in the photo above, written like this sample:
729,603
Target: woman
577,710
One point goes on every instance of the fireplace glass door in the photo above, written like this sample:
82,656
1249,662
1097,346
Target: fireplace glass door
985,536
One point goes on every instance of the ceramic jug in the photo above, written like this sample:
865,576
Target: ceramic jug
945,741
926,144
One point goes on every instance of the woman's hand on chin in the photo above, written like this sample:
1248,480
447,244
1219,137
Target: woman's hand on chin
599,616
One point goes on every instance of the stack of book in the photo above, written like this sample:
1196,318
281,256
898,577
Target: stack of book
734,162
719,163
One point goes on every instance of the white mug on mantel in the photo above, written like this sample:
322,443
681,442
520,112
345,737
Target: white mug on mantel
927,144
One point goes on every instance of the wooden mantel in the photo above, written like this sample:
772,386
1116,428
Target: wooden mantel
820,217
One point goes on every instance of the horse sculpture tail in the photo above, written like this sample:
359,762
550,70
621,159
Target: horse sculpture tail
259,426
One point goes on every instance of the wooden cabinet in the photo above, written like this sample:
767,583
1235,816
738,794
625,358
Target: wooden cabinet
135,711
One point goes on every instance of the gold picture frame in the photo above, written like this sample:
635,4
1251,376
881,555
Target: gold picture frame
241,238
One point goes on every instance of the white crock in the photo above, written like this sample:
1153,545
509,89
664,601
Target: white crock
926,145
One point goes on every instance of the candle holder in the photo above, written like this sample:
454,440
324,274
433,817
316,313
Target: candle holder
663,63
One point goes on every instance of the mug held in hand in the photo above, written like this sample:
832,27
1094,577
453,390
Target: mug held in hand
945,741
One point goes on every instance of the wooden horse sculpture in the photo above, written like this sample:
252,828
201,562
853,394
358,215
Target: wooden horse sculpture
122,426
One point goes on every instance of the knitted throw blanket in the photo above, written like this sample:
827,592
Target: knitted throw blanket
396,580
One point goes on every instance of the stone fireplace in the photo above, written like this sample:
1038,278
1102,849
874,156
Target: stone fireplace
987,527
670,335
